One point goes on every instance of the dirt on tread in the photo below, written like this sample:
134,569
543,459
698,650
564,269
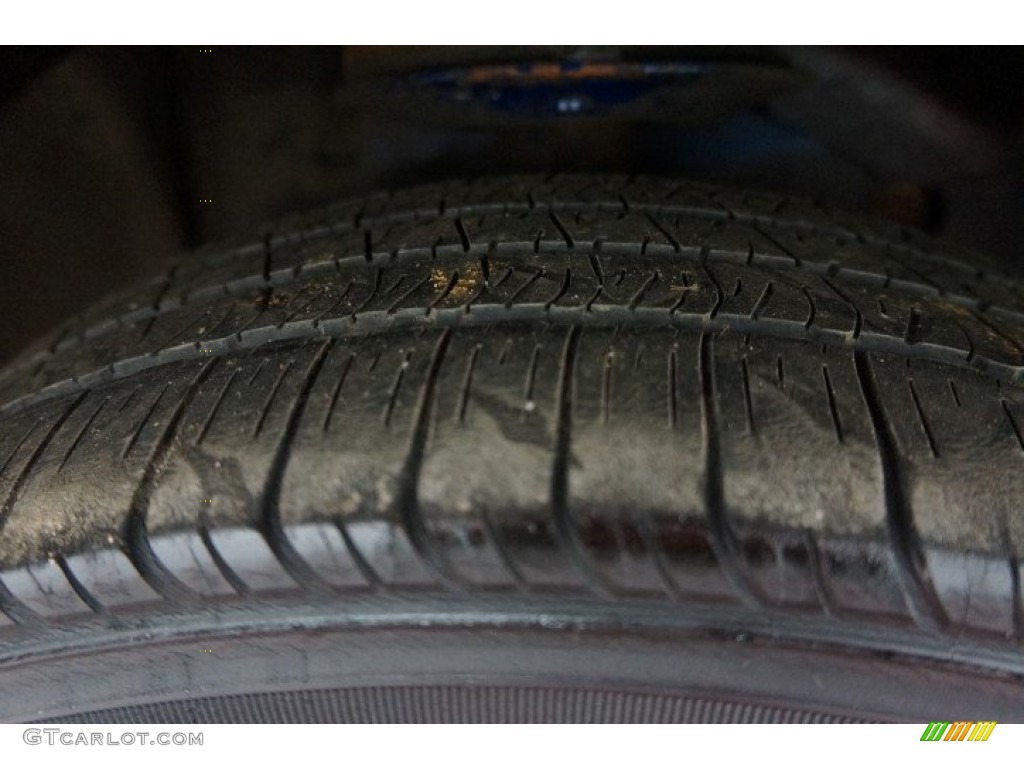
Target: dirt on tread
631,389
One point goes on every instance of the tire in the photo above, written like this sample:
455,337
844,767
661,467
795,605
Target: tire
519,449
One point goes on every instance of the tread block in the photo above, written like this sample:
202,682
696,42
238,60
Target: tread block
387,550
110,578
44,590
323,547
608,388
249,557
184,555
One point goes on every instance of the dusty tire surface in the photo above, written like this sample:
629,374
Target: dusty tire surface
725,424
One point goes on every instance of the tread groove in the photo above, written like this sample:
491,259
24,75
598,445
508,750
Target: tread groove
232,578
595,263
1014,427
830,398
166,344
719,294
925,427
683,293
396,387
378,281
142,423
337,302
15,610
336,391
302,308
21,442
858,318
811,309
537,275
656,223
407,504
774,241
531,378
563,288
748,404
362,564
650,542
257,372
138,548
506,560
918,591
637,297
393,307
81,433
561,229
467,384
79,588
261,419
120,409
955,394
561,513
214,408
606,386
763,300
485,263
463,235
269,500
453,280
720,534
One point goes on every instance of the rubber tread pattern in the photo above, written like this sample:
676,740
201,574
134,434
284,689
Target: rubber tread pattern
632,389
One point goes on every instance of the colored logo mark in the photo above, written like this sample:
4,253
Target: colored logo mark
959,731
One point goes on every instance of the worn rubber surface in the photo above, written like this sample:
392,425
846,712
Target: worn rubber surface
740,412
